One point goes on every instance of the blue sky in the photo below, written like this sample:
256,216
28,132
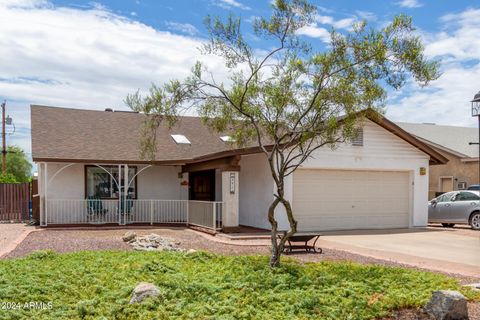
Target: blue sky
85,54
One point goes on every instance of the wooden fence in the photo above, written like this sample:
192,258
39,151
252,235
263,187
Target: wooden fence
14,201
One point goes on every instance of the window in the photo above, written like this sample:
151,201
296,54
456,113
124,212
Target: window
99,183
358,139
445,197
467,196
180,139
462,185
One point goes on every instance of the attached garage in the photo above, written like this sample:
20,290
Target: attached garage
351,199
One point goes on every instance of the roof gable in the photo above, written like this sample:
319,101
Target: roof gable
454,139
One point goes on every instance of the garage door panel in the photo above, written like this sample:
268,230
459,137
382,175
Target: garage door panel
341,199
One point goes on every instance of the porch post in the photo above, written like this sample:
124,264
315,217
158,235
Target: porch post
120,216
46,194
125,192
230,212
41,192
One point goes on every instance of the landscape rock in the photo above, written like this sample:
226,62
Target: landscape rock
447,305
153,242
129,236
191,251
144,290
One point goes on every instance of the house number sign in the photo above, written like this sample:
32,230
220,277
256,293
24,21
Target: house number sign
232,183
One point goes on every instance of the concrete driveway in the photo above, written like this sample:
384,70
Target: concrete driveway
11,234
447,250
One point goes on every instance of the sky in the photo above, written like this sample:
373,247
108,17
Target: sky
85,54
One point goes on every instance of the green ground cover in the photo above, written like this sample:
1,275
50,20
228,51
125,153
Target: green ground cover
96,285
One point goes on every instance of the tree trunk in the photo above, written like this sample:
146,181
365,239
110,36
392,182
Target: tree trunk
279,243
275,256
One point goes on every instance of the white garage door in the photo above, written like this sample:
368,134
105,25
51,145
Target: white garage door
342,200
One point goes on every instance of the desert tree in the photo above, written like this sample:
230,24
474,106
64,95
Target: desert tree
289,100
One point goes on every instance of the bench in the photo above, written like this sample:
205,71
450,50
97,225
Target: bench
293,243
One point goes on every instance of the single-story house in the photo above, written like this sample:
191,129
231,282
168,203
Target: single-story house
90,171
455,144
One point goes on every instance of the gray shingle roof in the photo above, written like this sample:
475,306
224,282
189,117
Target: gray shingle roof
454,138
62,133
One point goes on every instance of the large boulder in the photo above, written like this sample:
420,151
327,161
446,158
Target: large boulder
447,305
128,236
144,290
152,242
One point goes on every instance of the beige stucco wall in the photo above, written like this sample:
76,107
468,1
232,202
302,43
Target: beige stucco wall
460,171
156,182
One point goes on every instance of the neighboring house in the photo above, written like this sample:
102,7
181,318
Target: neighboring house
85,157
461,171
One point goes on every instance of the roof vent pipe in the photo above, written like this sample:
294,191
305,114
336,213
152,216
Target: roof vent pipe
108,110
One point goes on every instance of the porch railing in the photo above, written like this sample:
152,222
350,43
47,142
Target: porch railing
207,214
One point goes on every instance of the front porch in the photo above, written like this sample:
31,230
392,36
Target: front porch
203,214
203,195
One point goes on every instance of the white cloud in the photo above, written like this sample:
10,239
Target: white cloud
182,27
229,4
410,4
25,3
314,31
325,10
83,58
366,15
345,23
446,100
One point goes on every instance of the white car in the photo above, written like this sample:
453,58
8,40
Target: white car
456,207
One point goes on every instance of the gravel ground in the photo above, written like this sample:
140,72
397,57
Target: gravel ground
78,240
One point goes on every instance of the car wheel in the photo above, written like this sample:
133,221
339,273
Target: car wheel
448,225
475,221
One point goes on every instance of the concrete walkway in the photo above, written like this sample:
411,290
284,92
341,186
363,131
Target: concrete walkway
11,234
426,248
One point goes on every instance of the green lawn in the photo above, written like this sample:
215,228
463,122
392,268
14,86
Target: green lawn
95,285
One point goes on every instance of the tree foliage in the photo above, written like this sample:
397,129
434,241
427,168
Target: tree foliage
8,178
290,101
18,166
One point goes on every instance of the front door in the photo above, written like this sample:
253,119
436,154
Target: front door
446,184
202,185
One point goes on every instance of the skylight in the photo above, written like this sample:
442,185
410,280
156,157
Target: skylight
226,138
180,139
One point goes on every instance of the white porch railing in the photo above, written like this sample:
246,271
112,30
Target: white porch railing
207,214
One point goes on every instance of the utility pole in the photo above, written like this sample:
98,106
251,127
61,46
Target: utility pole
4,142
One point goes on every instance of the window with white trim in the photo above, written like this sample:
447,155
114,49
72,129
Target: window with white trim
101,184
